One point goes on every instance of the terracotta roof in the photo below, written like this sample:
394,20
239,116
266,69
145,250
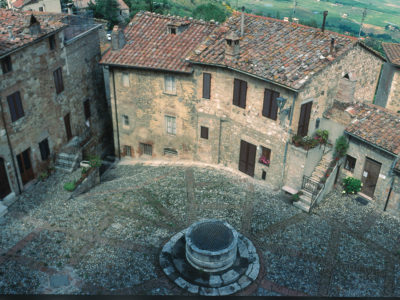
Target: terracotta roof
376,125
19,22
392,52
19,3
149,45
283,52
85,3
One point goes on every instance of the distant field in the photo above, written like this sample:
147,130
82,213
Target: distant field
379,14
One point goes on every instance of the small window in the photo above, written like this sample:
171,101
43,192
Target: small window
125,80
44,149
169,84
204,132
263,175
346,76
125,119
58,80
6,65
170,124
265,152
146,149
41,8
239,93
127,150
15,105
52,42
170,151
86,109
171,29
270,106
206,85
350,163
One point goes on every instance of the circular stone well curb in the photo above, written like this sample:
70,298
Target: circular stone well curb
237,277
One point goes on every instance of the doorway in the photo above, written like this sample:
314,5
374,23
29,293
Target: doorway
25,166
4,184
67,123
370,176
247,158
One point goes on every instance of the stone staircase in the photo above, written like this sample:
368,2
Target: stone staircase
313,183
67,162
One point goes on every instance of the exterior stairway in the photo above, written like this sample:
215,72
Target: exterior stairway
70,156
312,185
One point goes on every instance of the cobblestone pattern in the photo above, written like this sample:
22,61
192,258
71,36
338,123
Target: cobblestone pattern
108,241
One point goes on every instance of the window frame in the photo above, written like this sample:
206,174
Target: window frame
204,130
6,64
58,80
239,93
143,147
15,105
266,152
169,79
127,150
125,120
206,83
168,126
52,42
270,106
350,159
86,110
44,149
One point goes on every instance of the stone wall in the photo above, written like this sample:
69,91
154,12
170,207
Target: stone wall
393,205
44,109
393,102
363,68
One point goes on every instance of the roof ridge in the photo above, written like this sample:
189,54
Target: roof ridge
176,17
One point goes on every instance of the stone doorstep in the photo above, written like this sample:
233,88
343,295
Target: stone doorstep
3,210
305,199
9,199
302,206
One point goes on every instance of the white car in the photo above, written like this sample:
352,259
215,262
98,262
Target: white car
109,36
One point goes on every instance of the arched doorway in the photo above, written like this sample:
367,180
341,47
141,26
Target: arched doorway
4,185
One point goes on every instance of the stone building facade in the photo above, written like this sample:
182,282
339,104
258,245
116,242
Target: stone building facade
51,90
53,6
216,101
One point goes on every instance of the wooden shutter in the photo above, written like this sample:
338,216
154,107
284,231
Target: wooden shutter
11,105
274,106
243,93
267,103
251,159
236,91
206,85
58,80
86,108
204,132
304,119
243,156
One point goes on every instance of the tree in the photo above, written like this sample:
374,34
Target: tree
106,9
3,4
210,12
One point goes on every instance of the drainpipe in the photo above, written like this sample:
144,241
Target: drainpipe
10,147
391,184
116,114
287,141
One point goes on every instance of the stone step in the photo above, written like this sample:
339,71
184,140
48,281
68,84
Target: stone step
3,210
306,193
317,179
319,172
64,163
64,169
305,199
67,156
302,206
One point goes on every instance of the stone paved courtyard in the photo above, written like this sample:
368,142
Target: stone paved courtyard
108,240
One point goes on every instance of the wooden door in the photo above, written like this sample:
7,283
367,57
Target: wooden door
304,121
369,177
25,166
4,185
247,158
67,123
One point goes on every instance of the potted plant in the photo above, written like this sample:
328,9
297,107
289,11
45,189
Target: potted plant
307,142
263,160
322,136
296,139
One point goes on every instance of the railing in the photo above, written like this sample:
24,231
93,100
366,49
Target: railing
311,186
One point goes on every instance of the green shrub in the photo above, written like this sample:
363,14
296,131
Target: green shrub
341,146
84,170
43,176
69,186
351,185
95,161
322,135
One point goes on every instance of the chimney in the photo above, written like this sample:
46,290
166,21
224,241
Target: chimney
34,26
117,38
232,48
10,33
332,48
242,22
323,22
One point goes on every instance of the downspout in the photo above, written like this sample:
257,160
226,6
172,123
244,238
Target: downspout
287,141
391,172
10,147
116,114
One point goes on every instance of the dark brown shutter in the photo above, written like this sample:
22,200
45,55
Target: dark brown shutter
304,119
243,156
251,159
236,91
274,106
86,108
20,110
206,85
11,105
243,92
267,103
204,132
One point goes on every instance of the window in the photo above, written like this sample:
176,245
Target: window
204,132
146,149
239,93
52,42
169,84
350,163
206,85
171,29
57,74
127,150
125,80
86,109
44,149
170,151
15,105
170,124
263,175
6,65
265,152
41,8
125,119
270,106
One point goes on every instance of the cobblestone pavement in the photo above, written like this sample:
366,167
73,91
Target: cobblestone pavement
108,240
